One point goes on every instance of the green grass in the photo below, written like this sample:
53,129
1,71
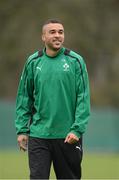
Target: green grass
14,165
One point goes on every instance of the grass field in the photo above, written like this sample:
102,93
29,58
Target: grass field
14,165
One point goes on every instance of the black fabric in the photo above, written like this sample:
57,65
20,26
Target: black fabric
40,53
66,158
39,158
67,51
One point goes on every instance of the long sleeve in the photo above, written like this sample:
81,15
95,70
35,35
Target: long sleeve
82,111
24,101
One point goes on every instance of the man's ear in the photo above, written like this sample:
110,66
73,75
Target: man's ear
43,37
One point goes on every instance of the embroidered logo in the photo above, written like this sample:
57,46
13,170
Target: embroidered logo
78,147
66,67
38,68
63,60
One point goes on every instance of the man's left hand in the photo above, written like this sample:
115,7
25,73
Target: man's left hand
71,138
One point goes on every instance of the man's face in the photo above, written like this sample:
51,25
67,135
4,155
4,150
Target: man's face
53,36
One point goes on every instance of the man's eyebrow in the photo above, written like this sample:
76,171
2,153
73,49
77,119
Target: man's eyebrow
56,30
61,30
52,29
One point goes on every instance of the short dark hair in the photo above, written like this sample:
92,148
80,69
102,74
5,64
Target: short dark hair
52,21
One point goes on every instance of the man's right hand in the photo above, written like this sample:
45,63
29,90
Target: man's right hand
22,142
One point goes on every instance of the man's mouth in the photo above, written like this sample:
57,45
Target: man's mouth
57,40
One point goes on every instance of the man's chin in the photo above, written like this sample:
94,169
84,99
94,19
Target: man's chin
57,48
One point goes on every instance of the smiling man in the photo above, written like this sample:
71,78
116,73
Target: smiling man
53,106
53,37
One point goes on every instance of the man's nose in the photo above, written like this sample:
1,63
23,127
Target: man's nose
57,34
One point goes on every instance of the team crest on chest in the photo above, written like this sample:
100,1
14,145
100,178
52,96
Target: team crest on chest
66,67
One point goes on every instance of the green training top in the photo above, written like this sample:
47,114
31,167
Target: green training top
53,96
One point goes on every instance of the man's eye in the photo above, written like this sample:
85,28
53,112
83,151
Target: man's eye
52,32
60,32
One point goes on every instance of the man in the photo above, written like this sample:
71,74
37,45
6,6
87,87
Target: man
53,107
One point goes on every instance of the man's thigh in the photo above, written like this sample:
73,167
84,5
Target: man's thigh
67,159
39,158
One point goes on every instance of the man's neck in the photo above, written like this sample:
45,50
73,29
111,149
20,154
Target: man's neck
51,52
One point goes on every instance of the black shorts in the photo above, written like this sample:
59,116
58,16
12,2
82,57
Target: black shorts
66,158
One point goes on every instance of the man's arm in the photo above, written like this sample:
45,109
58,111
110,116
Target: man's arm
82,103
24,104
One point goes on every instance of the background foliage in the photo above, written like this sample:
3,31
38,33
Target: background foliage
91,29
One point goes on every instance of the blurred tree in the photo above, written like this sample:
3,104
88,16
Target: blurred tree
91,29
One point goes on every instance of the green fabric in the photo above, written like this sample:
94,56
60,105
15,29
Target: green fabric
54,93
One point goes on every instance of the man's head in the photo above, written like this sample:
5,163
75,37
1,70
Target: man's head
53,34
